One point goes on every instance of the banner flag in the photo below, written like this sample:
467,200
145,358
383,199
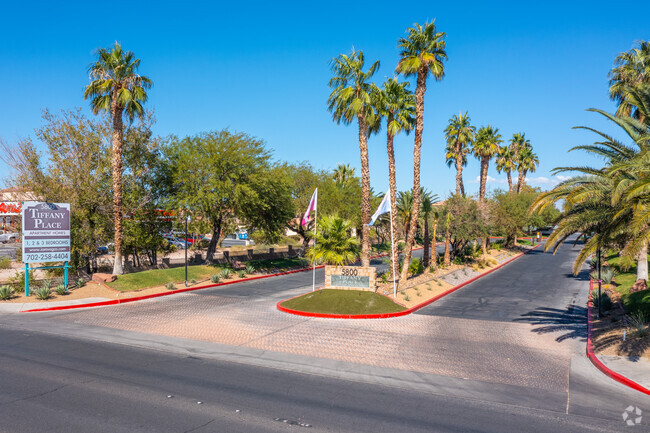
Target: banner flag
312,206
384,207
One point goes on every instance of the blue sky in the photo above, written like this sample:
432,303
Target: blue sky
263,68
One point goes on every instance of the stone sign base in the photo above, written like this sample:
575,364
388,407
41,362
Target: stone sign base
350,278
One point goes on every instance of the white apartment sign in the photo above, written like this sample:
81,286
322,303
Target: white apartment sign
46,232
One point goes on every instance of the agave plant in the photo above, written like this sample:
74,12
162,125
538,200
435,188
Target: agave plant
170,286
44,292
6,292
61,290
241,273
225,273
250,269
214,278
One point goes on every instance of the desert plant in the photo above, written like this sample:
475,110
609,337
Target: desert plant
47,283
593,262
215,278
44,292
417,292
250,269
5,263
406,297
193,281
384,277
80,282
170,286
61,290
241,273
6,292
225,273
416,267
605,301
638,321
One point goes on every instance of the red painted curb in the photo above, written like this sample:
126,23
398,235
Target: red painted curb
597,362
399,313
171,292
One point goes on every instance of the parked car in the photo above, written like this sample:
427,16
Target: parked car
7,236
178,243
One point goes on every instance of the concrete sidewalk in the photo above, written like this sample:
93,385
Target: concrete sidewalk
634,368
18,307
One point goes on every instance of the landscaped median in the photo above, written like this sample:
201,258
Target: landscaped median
368,305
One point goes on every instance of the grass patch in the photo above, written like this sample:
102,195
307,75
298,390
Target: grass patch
638,302
159,277
284,263
331,301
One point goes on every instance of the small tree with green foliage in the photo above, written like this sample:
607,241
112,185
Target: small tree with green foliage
334,243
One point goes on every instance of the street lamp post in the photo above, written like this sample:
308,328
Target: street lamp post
187,218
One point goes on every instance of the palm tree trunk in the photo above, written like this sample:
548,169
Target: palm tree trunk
459,170
447,258
434,242
485,161
509,180
392,186
421,87
427,244
365,191
642,263
118,138
520,180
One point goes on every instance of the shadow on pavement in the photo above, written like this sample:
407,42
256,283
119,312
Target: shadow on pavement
571,322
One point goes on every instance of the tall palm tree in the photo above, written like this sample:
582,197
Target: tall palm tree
351,99
447,256
630,69
527,163
397,104
422,54
517,143
505,161
404,207
459,134
426,209
117,88
342,174
485,147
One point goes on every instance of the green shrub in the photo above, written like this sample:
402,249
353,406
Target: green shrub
416,267
607,275
225,273
214,278
458,260
400,246
250,269
47,283
638,321
384,277
5,263
80,282
605,301
6,292
61,290
170,286
43,292
193,281
241,273
406,297
593,262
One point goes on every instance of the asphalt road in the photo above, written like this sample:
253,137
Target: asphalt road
58,375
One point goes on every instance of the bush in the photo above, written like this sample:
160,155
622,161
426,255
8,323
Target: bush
80,282
214,278
384,277
61,290
225,273
605,301
607,275
250,269
416,267
170,286
639,323
193,281
400,246
241,274
47,283
497,245
458,260
6,292
5,263
43,292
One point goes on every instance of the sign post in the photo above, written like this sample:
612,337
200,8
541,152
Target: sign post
46,236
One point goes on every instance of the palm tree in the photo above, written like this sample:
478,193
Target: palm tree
447,256
527,162
334,242
459,134
630,69
485,147
117,89
397,104
505,161
342,174
427,207
517,143
404,208
351,99
422,53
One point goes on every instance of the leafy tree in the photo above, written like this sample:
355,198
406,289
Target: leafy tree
422,54
351,99
631,68
465,223
397,104
510,213
223,177
485,147
459,134
334,242
117,89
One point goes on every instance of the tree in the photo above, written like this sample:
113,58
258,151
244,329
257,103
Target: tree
397,104
342,174
465,223
485,147
422,54
505,161
510,213
459,134
631,68
527,162
518,143
404,208
117,88
334,242
351,99
223,177
427,209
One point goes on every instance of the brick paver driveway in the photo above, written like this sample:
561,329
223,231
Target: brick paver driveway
515,326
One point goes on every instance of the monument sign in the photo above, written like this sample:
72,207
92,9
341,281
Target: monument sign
46,232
